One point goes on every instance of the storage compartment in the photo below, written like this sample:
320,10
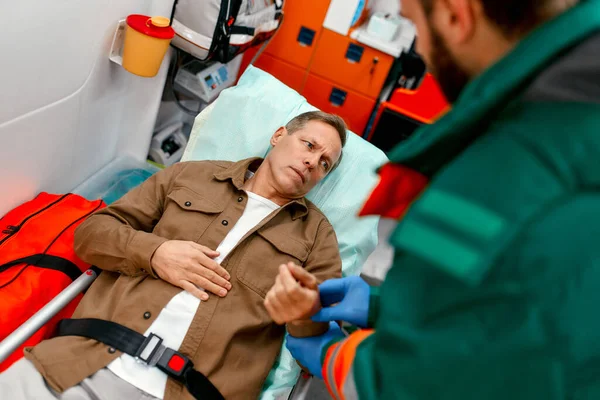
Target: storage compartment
391,129
425,104
349,63
353,107
299,32
289,74
116,179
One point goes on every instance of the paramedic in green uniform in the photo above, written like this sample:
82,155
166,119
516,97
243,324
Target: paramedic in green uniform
494,292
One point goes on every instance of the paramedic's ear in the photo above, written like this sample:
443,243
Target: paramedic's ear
279,133
457,18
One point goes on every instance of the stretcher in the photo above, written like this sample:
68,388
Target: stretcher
216,135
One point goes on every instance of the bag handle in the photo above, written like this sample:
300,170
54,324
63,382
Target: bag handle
47,261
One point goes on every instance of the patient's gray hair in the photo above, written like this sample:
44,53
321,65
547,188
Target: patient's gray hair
332,120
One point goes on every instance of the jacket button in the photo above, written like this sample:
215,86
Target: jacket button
187,204
147,315
225,222
111,350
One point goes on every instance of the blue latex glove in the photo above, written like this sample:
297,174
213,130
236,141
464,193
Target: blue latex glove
308,350
352,294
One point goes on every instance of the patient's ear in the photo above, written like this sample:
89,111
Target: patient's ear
279,133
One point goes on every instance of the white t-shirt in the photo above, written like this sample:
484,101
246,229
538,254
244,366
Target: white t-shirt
175,319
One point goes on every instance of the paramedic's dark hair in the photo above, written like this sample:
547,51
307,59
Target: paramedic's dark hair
516,18
332,120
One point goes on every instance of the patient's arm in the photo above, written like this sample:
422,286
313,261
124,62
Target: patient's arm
323,263
118,238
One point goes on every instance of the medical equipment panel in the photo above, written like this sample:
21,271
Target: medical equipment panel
167,146
405,111
384,26
206,82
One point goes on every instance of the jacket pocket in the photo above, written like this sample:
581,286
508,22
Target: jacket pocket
267,250
186,215
189,200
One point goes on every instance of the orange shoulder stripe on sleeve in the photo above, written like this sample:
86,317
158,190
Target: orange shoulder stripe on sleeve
338,362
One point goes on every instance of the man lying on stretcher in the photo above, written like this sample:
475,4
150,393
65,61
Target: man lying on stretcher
188,258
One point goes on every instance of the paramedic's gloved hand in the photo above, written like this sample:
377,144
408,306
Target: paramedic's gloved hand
352,297
308,350
190,266
294,296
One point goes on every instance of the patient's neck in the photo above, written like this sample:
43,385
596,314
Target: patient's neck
261,185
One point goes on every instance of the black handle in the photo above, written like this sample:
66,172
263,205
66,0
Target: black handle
354,53
306,36
337,97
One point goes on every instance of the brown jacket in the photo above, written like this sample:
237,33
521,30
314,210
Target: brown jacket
231,340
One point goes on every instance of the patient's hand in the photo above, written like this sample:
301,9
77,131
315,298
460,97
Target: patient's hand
295,295
190,266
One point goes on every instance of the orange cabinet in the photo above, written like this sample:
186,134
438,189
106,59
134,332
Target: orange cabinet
334,72
353,107
348,63
297,37
289,74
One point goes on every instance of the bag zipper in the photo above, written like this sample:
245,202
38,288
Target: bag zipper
12,229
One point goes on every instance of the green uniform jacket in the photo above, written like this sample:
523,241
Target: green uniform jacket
495,288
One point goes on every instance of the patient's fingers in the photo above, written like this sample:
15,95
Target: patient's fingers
274,308
280,294
291,294
211,276
303,276
289,300
278,287
212,265
190,287
209,252
287,280
207,285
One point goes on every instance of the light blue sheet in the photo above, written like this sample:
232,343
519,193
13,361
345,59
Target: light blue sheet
239,125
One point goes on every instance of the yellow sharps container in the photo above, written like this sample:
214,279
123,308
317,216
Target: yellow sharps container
146,42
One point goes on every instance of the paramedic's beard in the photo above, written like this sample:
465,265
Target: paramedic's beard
451,77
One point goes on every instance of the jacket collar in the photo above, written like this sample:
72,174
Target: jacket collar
236,172
433,146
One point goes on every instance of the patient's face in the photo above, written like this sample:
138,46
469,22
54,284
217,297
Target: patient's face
300,160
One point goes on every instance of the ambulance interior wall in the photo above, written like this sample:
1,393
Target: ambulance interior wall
66,110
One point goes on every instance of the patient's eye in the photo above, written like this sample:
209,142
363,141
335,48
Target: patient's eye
309,144
325,165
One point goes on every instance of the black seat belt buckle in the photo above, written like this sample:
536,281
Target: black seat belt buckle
149,347
174,363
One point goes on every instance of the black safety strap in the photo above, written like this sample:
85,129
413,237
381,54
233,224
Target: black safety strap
146,348
278,8
242,30
173,12
46,261
223,35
